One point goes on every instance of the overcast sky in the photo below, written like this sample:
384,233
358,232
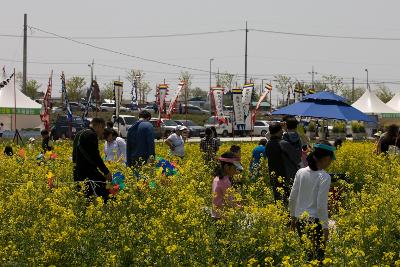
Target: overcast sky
269,54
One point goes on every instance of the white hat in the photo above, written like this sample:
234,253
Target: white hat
180,128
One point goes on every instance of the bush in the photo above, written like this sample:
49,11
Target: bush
339,127
357,127
311,126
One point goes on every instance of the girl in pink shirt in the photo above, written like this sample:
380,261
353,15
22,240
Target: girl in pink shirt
229,166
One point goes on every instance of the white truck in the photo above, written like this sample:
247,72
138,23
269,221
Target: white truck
123,123
260,128
225,129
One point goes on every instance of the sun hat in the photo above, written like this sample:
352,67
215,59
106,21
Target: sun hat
180,128
234,161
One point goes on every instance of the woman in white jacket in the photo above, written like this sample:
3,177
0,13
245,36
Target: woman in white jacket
308,201
114,147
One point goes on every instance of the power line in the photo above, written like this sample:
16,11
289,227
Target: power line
128,36
120,53
328,36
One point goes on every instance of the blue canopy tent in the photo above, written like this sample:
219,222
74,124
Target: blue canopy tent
324,105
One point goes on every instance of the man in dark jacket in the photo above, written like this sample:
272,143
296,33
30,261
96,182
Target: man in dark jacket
291,148
276,164
140,141
45,141
88,164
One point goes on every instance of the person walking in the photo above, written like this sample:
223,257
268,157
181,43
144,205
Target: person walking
276,164
176,142
390,138
308,201
209,146
45,141
114,146
89,167
258,153
140,147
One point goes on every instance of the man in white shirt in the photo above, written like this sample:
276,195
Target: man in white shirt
176,142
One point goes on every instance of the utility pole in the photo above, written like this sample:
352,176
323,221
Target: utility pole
245,57
91,71
352,90
366,70
210,97
24,71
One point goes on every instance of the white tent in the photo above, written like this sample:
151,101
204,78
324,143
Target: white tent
369,103
27,110
395,102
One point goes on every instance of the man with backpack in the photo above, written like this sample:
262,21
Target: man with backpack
89,167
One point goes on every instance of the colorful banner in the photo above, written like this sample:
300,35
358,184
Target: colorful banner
262,97
175,99
162,93
64,93
238,108
218,98
246,99
46,106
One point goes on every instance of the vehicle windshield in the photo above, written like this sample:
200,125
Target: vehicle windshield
169,123
130,120
188,123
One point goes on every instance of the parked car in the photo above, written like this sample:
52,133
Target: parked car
261,128
163,128
223,129
194,129
110,107
76,107
149,109
191,109
124,122
92,107
63,128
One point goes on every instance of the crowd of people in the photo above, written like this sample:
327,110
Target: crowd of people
296,170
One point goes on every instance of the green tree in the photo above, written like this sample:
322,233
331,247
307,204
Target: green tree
226,80
197,92
333,83
384,93
283,83
187,78
32,86
352,95
75,88
108,91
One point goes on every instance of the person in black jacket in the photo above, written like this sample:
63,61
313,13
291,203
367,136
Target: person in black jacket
45,140
88,164
276,163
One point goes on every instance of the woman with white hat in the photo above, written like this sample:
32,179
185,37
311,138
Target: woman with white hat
176,142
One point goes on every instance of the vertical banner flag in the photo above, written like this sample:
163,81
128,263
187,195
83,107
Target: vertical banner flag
218,96
66,101
246,99
238,108
134,94
118,89
268,89
46,106
96,90
174,99
161,96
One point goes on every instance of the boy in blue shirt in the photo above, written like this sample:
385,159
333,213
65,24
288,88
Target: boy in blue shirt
258,153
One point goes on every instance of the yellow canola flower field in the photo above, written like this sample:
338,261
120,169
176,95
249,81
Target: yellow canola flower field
165,221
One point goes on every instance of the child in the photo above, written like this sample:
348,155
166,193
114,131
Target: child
229,166
308,201
258,153
45,141
114,147
237,151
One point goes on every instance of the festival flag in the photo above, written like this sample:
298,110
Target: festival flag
46,106
134,94
66,101
96,90
175,99
218,97
268,87
311,91
246,98
162,93
298,88
262,97
238,108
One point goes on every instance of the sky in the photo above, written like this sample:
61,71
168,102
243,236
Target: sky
268,54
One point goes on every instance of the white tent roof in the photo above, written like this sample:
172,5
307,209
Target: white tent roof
7,99
370,103
395,102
